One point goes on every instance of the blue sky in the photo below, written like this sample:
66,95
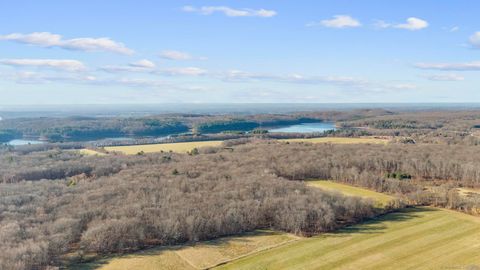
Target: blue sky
108,52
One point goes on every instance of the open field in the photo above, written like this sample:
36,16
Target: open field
414,238
468,192
90,152
338,140
182,147
200,256
381,198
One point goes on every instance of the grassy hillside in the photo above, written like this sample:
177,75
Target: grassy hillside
415,238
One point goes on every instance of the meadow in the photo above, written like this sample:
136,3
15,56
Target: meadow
182,147
90,152
202,255
185,147
380,198
414,238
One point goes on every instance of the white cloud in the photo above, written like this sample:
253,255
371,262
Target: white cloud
187,71
338,21
449,66
144,63
62,64
345,81
475,40
46,39
413,24
139,82
401,86
454,29
231,12
29,77
381,24
175,55
444,77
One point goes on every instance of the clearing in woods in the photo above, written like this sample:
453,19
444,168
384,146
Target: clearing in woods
182,147
90,152
380,198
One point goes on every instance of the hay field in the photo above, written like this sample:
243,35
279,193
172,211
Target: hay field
381,198
414,238
202,255
182,147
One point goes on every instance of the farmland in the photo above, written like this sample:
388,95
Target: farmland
199,256
182,147
414,238
407,239
90,152
380,198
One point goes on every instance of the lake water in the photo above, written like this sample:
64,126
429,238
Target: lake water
306,128
23,142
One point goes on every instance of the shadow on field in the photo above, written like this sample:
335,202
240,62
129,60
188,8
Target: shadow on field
156,251
375,225
97,262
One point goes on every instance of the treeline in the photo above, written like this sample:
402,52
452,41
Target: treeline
7,135
162,200
421,174
90,128
248,125
58,164
85,128
438,127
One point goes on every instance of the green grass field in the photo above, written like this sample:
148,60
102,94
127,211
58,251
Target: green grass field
381,198
415,238
182,147
338,140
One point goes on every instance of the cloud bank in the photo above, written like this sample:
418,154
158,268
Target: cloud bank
49,40
231,12
61,64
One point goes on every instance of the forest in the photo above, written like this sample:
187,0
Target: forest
81,128
58,205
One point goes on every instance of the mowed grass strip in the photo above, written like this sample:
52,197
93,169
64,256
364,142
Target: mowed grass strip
339,140
182,147
380,198
202,255
414,238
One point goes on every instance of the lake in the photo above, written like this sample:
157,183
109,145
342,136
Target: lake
306,128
